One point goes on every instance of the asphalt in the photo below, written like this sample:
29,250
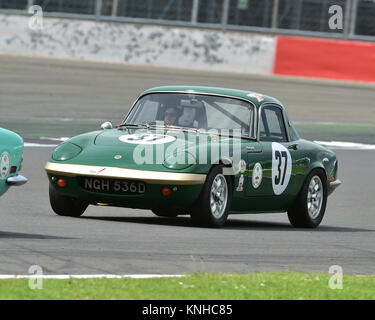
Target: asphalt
48,89
127,241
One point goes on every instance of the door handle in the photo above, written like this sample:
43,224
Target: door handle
293,146
251,149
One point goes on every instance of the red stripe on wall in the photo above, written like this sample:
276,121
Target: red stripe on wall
322,58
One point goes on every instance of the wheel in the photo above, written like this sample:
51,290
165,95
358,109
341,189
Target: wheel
213,205
66,206
165,213
310,205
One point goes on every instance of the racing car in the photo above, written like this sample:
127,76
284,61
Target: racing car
206,152
11,152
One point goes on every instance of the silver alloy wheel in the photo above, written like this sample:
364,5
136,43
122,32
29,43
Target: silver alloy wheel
315,197
218,196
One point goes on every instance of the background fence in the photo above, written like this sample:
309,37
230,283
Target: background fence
299,17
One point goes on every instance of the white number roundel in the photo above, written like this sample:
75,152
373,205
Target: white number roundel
281,168
146,138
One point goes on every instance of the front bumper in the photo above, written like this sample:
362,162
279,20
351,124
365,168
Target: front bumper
16,181
151,177
186,186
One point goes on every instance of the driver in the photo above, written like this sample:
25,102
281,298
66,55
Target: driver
170,115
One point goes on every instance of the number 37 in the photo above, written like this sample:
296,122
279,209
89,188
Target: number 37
279,156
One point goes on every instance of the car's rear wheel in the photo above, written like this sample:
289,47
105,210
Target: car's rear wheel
310,205
169,213
66,206
213,204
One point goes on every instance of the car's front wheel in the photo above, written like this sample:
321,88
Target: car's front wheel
213,205
66,206
310,205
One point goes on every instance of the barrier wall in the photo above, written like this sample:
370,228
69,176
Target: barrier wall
189,48
141,44
322,58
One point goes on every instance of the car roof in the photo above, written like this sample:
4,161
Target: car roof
256,98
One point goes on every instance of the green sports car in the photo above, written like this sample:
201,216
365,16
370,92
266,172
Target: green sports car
203,151
11,151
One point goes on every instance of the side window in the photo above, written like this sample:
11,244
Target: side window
272,126
293,134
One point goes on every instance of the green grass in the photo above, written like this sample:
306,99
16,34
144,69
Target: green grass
287,285
34,129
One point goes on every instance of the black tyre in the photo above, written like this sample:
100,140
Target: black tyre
310,205
169,213
212,207
66,206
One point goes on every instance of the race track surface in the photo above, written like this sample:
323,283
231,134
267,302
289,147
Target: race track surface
35,88
126,241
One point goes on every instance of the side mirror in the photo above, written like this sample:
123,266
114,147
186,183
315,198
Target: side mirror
106,125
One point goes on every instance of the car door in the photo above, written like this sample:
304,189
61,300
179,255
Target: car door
271,170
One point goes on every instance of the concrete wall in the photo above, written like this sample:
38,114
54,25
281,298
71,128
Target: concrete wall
140,44
189,48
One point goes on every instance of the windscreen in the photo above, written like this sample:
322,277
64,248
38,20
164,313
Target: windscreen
197,111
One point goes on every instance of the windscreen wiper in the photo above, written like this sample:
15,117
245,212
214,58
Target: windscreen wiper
134,125
182,128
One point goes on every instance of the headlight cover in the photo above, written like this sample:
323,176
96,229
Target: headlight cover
179,161
66,151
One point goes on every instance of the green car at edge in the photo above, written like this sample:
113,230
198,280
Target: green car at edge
11,152
228,152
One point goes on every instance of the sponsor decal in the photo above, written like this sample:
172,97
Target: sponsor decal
281,168
4,165
242,166
147,138
240,184
96,172
100,171
257,175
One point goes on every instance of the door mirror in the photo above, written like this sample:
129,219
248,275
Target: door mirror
106,125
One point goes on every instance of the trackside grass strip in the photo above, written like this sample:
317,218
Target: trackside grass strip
287,285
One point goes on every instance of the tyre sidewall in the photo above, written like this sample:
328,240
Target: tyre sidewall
299,214
201,212
315,222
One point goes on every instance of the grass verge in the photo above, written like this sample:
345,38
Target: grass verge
199,286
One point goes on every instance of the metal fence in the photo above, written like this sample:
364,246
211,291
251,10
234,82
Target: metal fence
296,17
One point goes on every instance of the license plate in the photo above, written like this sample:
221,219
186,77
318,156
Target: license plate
113,186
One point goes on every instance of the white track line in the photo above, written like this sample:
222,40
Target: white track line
329,144
89,276
346,145
54,139
38,145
